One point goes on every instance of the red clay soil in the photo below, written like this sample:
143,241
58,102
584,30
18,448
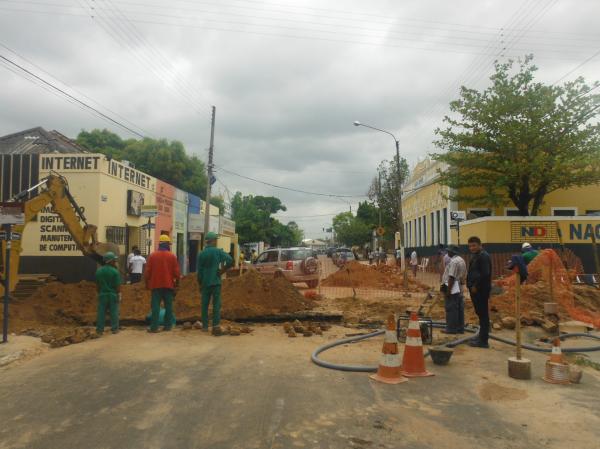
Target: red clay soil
248,296
385,277
579,302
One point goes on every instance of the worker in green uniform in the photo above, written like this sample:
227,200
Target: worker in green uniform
211,264
528,253
108,286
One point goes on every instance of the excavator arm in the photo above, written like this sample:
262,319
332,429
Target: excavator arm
55,192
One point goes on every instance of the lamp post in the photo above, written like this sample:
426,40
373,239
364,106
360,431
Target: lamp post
399,182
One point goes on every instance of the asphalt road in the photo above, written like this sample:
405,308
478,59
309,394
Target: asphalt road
190,390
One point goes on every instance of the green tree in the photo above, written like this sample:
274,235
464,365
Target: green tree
518,140
160,158
351,230
219,202
385,190
368,213
255,223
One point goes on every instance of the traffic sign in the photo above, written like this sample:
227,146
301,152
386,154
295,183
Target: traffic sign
149,226
12,213
149,211
380,231
458,215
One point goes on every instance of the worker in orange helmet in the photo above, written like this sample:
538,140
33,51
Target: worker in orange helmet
162,278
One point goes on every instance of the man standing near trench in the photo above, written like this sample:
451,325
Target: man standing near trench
210,265
162,277
454,304
479,282
108,286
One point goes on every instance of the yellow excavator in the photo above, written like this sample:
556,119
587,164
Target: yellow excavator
54,190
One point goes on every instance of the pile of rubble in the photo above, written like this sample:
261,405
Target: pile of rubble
64,314
307,329
385,277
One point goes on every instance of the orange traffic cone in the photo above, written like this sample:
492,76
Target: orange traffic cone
413,361
557,369
556,355
389,367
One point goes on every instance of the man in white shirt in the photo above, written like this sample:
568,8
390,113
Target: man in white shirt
136,266
452,280
129,257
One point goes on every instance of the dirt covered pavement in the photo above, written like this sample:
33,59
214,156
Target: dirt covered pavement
189,390
65,311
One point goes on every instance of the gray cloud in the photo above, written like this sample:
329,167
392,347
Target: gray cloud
285,106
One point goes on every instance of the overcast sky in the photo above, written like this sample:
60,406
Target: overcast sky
288,77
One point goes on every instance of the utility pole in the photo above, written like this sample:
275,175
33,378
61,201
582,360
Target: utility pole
400,217
210,176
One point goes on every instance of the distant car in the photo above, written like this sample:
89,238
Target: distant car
329,251
342,255
295,264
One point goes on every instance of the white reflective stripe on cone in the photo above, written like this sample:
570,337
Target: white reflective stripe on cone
390,360
413,341
556,350
413,325
391,337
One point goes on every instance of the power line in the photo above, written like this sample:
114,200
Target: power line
577,67
145,132
458,48
330,195
68,95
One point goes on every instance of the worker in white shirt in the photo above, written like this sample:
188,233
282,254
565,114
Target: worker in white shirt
136,266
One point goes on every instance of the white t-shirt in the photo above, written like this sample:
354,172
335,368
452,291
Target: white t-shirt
137,264
413,258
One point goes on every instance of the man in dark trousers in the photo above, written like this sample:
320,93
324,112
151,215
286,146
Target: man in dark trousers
479,282
211,264
162,277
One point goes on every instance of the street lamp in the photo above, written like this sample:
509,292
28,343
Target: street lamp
399,181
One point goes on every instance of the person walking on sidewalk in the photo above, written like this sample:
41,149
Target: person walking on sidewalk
479,282
454,276
162,278
211,263
108,286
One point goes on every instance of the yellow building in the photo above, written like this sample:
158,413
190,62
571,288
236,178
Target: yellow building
574,213
111,195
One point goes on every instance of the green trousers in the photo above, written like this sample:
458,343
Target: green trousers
209,291
112,301
158,295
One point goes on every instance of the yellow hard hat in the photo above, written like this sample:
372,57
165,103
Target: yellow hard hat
164,238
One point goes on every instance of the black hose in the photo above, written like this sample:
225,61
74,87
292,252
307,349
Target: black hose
368,369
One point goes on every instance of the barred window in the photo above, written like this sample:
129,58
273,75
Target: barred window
115,234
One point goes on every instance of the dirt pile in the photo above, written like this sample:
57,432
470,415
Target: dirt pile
358,275
549,281
58,305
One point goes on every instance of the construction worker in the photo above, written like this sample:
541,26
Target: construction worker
211,263
108,286
479,282
253,256
162,278
528,253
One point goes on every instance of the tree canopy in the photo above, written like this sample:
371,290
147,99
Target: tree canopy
351,230
254,221
384,192
163,159
518,140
